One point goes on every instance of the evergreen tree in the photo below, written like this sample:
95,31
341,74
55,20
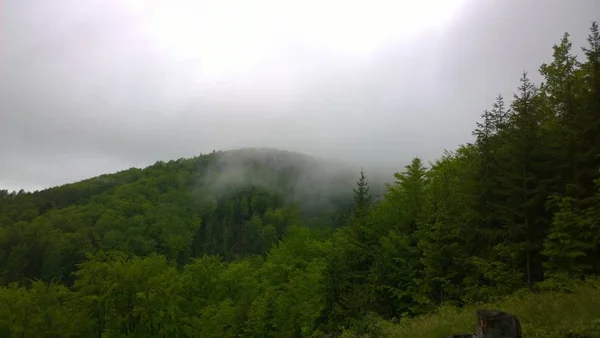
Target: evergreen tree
562,92
523,181
362,195
442,240
347,271
590,116
396,269
569,240
409,192
491,198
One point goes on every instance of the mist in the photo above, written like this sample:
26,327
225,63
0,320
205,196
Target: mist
100,86
301,180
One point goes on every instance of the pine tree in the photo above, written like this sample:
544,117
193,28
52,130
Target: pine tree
348,268
397,265
528,117
562,93
442,240
362,195
490,139
409,194
520,185
572,243
569,240
590,119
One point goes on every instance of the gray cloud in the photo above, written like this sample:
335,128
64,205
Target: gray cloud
85,89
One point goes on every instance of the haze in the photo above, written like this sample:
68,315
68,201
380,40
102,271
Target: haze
90,87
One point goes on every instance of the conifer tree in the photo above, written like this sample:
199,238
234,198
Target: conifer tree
362,195
522,181
590,117
562,93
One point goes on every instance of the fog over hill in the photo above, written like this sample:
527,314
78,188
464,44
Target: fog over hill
98,86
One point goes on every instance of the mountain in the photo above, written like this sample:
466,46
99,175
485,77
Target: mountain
228,203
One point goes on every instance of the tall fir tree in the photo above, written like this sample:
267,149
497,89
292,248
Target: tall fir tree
528,196
491,200
362,195
590,119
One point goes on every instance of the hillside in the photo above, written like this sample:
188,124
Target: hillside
230,203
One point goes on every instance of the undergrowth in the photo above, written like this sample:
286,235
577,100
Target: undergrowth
550,310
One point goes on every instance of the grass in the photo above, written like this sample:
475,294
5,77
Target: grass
567,314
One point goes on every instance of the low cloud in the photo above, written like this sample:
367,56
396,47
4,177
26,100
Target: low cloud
85,89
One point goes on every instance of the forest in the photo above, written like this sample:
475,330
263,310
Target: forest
270,243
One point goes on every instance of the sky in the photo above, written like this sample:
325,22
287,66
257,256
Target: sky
92,87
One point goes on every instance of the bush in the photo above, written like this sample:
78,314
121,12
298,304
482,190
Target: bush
575,313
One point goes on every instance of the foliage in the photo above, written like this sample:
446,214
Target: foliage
549,314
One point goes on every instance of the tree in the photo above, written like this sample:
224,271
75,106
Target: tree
590,116
444,239
408,193
490,167
396,266
562,93
362,196
522,182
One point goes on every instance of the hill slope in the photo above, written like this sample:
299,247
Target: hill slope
230,203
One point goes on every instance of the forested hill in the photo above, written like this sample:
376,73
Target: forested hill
290,174
257,243
228,203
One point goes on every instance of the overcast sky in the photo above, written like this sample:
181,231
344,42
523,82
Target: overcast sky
90,87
